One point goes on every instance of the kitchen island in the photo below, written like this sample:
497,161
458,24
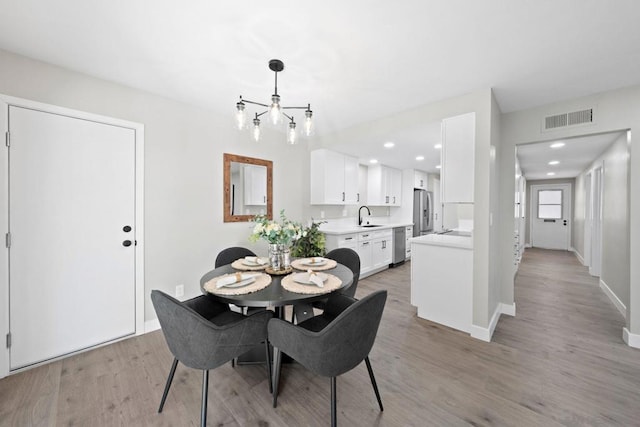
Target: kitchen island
442,278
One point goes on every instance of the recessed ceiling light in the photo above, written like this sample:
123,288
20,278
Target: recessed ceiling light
373,161
419,157
557,145
389,145
554,162
550,173
438,166
437,146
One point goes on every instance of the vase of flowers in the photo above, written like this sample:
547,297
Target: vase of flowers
280,236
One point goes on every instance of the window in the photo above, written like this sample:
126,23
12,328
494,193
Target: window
550,204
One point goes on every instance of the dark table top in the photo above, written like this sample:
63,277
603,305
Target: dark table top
275,295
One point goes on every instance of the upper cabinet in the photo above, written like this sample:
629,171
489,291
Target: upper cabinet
334,178
420,179
458,146
384,187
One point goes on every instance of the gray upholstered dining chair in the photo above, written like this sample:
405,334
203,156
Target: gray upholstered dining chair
203,334
228,255
351,259
332,343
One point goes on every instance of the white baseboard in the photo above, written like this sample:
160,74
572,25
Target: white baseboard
485,334
577,254
632,340
508,309
614,298
151,325
528,245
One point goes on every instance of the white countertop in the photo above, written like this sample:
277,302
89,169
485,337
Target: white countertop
348,229
462,242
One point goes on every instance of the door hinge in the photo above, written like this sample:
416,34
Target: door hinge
7,138
7,240
9,340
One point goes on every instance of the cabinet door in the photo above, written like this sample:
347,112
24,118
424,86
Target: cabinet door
375,188
458,145
327,178
420,180
350,180
395,187
381,252
365,253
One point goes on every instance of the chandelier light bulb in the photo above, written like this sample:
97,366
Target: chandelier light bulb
256,129
241,116
291,134
274,110
308,122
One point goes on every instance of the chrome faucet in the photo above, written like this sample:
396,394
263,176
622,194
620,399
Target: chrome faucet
360,214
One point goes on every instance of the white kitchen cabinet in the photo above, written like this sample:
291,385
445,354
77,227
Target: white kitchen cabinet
382,250
408,235
458,147
255,185
420,179
333,241
334,178
384,187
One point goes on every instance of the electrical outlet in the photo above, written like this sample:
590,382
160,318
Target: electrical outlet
321,214
179,290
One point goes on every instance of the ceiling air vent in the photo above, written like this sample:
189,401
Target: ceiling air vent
569,119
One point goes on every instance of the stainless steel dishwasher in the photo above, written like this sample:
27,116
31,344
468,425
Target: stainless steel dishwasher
399,246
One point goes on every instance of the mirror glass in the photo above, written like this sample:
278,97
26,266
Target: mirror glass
247,188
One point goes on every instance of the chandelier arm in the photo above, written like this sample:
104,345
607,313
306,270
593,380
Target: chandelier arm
264,112
255,103
288,117
294,108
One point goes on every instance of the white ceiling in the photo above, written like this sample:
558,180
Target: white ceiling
574,157
354,61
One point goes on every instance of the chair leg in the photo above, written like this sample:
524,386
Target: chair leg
373,382
334,415
269,373
277,357
174,365
205,392
233,362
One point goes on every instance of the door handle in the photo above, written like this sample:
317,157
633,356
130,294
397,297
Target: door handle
126,243
565,222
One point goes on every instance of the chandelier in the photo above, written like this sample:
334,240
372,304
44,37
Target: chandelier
275,111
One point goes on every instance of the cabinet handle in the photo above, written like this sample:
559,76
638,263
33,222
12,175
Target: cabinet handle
357,197
343,196
365,235
365,243
394,200
348,238
386,199
264,199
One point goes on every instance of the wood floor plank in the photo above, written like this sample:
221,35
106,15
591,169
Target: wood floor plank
560,361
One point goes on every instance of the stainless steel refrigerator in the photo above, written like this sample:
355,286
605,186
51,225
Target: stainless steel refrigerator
422,212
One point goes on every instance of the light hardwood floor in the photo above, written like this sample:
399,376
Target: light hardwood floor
560,361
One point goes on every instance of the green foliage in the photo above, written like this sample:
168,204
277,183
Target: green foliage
310,243
283,232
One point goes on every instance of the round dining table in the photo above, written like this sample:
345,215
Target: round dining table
275,295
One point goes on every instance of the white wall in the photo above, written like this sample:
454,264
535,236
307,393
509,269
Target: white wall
615,217
614,111
184,230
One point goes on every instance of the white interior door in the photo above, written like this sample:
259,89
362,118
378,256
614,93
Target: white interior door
71,197
551,216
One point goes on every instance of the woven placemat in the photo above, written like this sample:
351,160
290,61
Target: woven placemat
261,282
239,265
331,284
298,264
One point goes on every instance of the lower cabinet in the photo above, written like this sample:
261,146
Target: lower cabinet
375,248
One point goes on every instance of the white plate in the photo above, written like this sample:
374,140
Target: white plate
304,278
241,283
253,263
310,261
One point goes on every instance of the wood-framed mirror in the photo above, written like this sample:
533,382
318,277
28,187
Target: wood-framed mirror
248,188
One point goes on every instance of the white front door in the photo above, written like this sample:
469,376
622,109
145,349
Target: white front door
551,216
71,213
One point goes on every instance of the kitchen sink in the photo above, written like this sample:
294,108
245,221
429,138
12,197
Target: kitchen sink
371,225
